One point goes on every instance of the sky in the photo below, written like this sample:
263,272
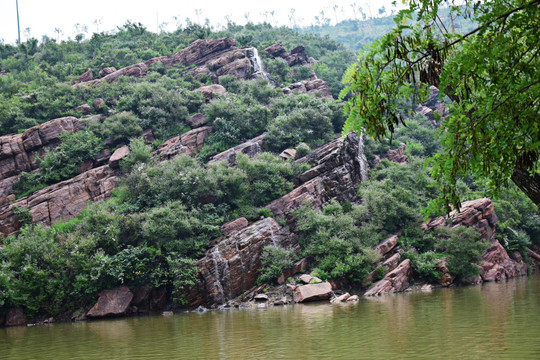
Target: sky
63,19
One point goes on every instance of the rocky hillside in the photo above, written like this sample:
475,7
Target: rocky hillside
214,177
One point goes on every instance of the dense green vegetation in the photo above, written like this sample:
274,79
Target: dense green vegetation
164,215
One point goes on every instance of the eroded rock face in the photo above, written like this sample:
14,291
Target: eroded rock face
310,86
186,144
497,265
334,174
106,71
231,267
312,292
114,302
395,281
87,76
63,200
397,155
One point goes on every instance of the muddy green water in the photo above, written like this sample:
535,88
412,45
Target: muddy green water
490,321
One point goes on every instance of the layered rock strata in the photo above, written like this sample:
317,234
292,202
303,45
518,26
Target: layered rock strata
334,174
61,201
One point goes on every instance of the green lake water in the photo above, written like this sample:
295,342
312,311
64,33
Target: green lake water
489,321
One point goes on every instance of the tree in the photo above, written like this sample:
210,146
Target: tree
491,76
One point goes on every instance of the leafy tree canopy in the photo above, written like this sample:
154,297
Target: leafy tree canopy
491,76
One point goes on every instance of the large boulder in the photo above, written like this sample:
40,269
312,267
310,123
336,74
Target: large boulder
313,292
113,302
210,91
120,153
395,281
233,226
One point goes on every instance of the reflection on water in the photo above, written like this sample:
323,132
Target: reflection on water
491,321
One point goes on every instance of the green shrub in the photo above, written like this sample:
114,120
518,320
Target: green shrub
274,260
302,150
122,126
139,152
464,247
425,265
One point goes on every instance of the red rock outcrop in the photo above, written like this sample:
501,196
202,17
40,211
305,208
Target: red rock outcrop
298,55
63,200
187,143
334,174
310,86
17,152
312,292
446,278
478,213
231,267
395,281
112,302
497,265
433,108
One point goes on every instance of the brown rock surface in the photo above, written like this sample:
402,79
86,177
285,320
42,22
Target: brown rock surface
231,267
197,120
86,76
186,144
312,292
386,245
112,302
310,86
15,317
233,226
85,109
288,154
395,281
210,91
97,103
106,71
397,156
63,200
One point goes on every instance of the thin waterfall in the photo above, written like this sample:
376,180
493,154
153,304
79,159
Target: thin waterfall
362,160
258,66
